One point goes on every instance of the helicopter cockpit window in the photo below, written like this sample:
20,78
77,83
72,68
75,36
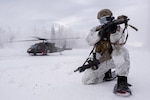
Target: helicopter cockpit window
34,46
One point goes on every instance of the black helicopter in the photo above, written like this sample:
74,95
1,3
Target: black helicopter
44,47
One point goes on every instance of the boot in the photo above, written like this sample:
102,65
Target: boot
121,88
109,76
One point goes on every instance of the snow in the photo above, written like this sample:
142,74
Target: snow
24,77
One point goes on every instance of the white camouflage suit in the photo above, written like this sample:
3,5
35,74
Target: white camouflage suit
120,58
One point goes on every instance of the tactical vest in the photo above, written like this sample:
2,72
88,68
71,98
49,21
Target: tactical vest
104,47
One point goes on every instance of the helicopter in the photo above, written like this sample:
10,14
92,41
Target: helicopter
44,47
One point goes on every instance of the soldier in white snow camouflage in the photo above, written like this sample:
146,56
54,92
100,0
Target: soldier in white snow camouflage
110,52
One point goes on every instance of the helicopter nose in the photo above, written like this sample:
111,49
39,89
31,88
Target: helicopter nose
29,50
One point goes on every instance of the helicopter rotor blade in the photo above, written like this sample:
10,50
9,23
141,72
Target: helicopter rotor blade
44,39
24,40
40,38
64,38
55,38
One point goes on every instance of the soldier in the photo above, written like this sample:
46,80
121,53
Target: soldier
110,52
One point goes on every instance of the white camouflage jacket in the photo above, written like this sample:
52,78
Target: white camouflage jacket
115,38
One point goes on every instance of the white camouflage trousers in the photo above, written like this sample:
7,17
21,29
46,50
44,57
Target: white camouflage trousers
120,61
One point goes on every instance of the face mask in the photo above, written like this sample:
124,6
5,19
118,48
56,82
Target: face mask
104,19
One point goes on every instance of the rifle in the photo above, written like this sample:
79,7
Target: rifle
111,26
91,63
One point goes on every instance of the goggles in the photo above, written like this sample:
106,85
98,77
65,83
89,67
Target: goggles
104,19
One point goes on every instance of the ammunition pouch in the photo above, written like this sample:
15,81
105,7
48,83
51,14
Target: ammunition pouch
104,47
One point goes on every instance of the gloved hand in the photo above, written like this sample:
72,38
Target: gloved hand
122,16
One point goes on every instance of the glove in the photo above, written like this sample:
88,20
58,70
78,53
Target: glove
122,16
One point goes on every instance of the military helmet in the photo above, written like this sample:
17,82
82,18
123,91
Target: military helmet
104,12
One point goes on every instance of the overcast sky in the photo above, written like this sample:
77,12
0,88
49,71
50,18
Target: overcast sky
76,14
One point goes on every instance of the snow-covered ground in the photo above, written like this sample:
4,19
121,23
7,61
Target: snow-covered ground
24,77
